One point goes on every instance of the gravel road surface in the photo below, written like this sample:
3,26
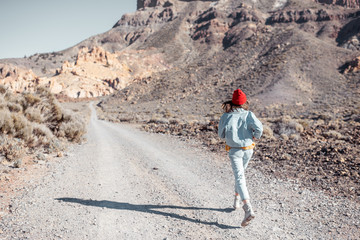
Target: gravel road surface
127,184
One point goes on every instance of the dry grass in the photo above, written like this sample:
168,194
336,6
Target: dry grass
30,121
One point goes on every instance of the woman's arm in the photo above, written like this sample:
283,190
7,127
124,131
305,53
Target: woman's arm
255,125
221,127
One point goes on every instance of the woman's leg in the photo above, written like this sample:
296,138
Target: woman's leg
237,163
246,159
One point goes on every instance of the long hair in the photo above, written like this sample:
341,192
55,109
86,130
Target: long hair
228,106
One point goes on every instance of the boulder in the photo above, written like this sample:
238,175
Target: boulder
353,66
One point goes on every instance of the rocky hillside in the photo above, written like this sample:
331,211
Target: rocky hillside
296,60
171,64
344,3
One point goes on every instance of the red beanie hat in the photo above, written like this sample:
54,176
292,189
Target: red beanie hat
239,98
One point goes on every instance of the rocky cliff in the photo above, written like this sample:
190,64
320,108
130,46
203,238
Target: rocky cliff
344,3
153,3
94,73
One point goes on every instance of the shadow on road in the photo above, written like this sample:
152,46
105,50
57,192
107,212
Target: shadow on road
150,209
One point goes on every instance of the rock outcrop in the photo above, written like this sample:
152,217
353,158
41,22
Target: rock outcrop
307,15
214,26
95,73
148,3
246,22
353,66
159,15
344,3
210,27
18,79
153,3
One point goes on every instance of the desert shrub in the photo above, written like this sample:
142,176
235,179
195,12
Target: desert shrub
34,115
304,123
14,107
10,148
267,131
333,134
295,137
53,115
42,136
35,120
284,136
22,127
31,99
67,115
287,126
72,131
41,130
297,126
6,122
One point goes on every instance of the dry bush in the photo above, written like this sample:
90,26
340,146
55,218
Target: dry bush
14,107
6,122
72,130
71,127
42,135
31,99
295,137
287,126
10,148
35,120
42,130
333,134
22,127
34,115
267,132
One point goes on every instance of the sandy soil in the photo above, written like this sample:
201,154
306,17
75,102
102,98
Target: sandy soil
128,184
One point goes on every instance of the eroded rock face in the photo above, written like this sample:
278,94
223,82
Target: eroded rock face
246,22
95,73
210,27
307,15
214,26
139,18
90,75
153,3
345,3
147,3
17,79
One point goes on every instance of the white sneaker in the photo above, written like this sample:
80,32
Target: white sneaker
237,202
249,214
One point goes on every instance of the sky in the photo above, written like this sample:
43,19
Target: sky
39,26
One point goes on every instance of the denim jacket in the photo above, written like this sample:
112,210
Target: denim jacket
239,127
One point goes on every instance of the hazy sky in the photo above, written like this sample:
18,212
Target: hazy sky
37,26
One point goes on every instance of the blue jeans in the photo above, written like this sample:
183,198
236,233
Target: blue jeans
239,161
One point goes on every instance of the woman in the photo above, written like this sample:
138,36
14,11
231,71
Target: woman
240,127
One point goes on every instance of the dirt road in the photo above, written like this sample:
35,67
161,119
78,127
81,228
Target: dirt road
128,184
